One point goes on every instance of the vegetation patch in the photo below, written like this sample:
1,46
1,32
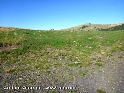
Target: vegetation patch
99,64
10,70
100,91
83,72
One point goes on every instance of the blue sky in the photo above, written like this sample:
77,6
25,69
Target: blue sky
58,14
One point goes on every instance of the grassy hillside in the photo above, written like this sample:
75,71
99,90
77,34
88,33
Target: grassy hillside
60,55
98,27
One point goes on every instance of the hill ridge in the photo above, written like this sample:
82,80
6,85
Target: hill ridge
82,27
99,27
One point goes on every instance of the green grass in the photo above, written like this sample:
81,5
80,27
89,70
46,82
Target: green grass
99,64
120,56
45,50
100,91
83,72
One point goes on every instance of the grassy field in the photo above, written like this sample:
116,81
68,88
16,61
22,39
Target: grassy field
62,54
